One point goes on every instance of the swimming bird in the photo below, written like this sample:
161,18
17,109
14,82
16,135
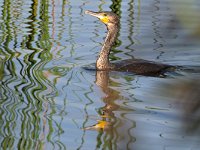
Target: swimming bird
137,66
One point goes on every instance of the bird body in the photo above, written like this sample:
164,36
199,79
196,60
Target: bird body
137,66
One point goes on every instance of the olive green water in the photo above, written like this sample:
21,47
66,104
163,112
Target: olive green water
49,101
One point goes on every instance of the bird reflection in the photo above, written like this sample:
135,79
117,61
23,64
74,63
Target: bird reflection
107,115
113,125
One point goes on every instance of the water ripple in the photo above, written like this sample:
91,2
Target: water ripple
48,100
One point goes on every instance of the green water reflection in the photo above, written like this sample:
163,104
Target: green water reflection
47,99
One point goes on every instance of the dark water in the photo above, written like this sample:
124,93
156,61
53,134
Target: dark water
49,101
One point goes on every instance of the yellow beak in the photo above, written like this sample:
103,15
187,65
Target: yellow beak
99,15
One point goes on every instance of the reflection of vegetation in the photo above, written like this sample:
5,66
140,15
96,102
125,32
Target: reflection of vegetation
25,90
44,41
158,39
131,26
100,6
116,5
7,36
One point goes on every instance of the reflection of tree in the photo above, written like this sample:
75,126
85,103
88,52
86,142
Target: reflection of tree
134,25
6,28
115,6
156,21
25,89
8,103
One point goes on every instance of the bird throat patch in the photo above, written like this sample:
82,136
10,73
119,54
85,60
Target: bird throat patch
104,19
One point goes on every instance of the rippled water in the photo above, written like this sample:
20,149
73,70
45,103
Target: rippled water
49,101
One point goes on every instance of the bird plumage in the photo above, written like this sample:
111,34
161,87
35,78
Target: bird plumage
137,66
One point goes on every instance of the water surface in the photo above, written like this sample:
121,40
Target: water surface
49,101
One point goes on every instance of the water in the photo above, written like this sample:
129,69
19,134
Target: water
49,101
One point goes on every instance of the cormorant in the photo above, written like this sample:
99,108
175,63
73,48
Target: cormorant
137,66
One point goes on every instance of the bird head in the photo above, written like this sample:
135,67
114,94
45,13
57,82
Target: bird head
108,18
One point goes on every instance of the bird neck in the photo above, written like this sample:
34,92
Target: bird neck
103,62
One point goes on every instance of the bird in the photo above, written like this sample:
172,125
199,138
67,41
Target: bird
137,66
